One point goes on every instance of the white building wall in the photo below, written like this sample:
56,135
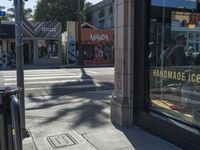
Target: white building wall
95,10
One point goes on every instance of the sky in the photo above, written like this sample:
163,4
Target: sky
32,3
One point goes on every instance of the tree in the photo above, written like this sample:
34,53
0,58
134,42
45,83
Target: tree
57,10
11,13
28,14
87,16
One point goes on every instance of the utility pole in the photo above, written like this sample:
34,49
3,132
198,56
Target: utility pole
2,14
19,58
81,53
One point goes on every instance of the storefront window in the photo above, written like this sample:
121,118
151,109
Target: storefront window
88,52
48,49
174,59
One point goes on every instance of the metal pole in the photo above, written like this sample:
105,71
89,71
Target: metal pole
19,58
81,53
16,123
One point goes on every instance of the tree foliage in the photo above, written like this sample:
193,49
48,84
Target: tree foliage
28,14
10,13
58,10
87,16
2,8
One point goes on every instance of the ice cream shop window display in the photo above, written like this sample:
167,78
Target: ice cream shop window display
97,46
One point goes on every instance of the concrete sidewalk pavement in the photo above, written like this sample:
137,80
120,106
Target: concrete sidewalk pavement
81,121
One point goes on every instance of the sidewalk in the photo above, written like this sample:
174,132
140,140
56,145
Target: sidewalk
81,121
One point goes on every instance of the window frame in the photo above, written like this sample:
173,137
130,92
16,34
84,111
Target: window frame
147,107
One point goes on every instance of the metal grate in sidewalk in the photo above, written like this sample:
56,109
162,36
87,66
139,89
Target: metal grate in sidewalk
63,140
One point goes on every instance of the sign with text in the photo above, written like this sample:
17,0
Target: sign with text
42,29
181,74
97,36
2,13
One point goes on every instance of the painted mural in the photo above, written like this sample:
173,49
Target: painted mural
97,46
71,46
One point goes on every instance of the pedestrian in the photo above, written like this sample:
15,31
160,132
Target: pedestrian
189,57
165,53
176,56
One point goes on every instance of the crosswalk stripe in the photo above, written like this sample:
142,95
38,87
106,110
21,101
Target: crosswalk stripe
36,78
45,81
38,75
66,87
48,82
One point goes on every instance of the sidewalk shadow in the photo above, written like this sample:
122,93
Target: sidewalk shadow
81,106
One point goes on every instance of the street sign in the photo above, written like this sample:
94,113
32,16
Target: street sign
2,13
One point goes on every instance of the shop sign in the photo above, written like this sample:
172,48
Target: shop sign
188,76
2,13
42,29
46,29
99,37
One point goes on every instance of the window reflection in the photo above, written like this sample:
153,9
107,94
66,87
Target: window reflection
48,49
174,59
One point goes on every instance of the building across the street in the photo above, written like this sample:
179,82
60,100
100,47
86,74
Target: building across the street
102,14
41,43
96,44
7,42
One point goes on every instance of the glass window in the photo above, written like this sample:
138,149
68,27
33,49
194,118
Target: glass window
102,24
111,9
111,22
174,59
48,49
101,13
88,52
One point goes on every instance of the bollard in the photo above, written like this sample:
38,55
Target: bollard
10,126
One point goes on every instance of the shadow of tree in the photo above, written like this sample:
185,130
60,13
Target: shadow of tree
89,104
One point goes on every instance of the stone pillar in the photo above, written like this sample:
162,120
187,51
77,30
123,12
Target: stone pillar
122,101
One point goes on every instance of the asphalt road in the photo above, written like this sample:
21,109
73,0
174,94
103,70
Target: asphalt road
45,82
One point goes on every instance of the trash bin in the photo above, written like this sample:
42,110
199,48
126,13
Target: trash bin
10,124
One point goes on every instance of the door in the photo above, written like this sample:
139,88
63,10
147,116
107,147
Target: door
26,53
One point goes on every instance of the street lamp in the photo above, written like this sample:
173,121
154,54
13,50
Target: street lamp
19,57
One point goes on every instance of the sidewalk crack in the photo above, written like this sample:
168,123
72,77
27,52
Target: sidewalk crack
84,137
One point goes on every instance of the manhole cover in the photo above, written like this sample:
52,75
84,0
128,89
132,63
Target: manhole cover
63,140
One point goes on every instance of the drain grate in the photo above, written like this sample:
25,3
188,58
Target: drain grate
63,140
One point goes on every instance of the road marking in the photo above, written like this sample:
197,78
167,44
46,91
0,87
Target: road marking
92,72
36,78
47,82
38,75
66,87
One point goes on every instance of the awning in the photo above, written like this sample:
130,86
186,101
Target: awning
185,4
7,31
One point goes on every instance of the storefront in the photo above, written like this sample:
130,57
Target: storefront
157,76
97,45
7,44
42,42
